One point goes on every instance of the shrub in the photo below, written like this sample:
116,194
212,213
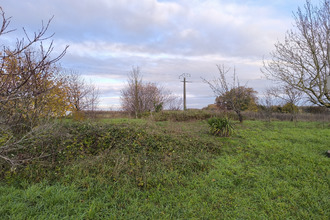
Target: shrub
221,126
78,115
110,152
189,115
290,108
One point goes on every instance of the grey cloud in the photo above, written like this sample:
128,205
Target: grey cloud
164,38
184,27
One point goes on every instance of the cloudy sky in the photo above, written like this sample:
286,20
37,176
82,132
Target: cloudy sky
165,38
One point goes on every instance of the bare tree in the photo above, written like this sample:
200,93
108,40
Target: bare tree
156,98
93,98
290,98
130,95
267,102
138,97
302,61
231,96
172,102
77,91
149,98
82,96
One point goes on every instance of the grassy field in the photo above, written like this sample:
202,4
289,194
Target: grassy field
142,169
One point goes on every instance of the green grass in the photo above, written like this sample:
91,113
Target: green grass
276,171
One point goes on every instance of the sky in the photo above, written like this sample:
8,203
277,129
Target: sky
164,38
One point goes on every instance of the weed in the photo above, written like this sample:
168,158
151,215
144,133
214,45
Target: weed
221,126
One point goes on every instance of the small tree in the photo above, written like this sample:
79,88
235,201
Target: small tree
130,95
93,99
289,97
172,102
151,98
267,103
290,108
230,99
231,96
31,87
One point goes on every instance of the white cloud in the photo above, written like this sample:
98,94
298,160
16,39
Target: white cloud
165,38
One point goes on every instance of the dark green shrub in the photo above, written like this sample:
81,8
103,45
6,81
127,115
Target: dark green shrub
290,108
221,126
158,107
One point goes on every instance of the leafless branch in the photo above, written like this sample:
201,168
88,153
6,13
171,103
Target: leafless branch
302,61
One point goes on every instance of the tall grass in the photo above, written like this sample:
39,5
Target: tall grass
221,126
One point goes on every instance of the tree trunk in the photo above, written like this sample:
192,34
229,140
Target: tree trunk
240,116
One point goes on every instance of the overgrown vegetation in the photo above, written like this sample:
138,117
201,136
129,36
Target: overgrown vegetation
144,169
189,115
138,149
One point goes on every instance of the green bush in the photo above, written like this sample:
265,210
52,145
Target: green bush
221,126
290,108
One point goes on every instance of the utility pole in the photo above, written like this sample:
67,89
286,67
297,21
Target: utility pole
184,75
